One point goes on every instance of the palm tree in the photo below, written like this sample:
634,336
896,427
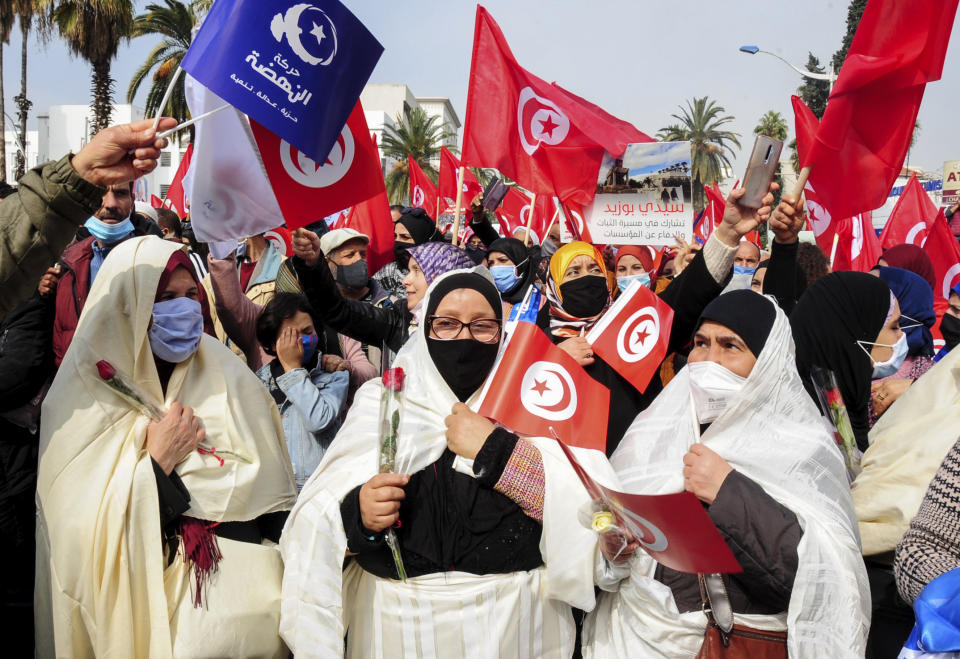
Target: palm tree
174,21
417,135
772,125
701,123
6,26
93,30
24,10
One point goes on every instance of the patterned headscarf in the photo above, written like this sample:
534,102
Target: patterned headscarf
437,258
561,322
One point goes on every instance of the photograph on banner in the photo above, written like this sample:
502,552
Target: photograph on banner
951,183
644,197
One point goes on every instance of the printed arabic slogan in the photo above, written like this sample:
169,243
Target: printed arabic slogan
296,68
643,198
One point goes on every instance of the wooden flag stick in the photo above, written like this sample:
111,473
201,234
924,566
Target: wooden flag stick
166,96
192,121
533,206
801,182
456,211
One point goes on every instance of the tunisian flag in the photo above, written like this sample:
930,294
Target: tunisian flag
632,336
540,135
862,140
447,183
175,194
510,210
857,245
536,386
423,193
944,253
911,218
307,191
372,218
573,217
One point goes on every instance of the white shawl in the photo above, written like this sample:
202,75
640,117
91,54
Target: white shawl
314,542
774,435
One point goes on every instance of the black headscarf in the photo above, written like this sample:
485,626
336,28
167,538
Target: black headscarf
524,258
749,314
463,363
420,226
831,316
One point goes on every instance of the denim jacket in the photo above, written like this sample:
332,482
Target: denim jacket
310,405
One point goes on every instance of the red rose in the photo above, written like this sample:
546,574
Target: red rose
106,369
834,399
393,379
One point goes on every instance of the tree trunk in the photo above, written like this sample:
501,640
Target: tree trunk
3,127
102,96
23,105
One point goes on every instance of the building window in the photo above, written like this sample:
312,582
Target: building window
164,158
163,190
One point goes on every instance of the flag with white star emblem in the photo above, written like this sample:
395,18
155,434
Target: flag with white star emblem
633,335
545,138
295,67
536,386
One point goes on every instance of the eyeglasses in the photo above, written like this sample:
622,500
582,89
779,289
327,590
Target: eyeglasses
484,330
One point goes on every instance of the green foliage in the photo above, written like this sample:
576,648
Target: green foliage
702,124
174,22
418,136
814,92
772,124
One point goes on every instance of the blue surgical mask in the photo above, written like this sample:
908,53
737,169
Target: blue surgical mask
309,342
505,277
623,283
743,270
109,233
176,329
892,365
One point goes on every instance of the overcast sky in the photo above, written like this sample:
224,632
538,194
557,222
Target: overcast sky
638,59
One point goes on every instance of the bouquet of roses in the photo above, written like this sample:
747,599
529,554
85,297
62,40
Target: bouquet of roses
130,393
835,411
387,455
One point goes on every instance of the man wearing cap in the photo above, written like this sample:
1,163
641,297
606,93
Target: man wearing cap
346,254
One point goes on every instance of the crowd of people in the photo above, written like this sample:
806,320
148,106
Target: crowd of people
191,446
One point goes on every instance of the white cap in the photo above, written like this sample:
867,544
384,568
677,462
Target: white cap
336,238
145,209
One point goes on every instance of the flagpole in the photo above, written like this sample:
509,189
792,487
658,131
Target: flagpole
456,211
166,96
190,122
533,207
801,182
833,251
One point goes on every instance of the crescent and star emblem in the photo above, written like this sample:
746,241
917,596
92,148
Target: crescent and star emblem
306,172
539,121
547,391
309,32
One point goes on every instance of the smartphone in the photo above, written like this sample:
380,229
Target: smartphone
760,170
494,193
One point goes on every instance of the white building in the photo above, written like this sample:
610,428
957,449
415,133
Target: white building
12,146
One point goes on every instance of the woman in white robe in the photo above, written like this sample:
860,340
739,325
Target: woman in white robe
770,433
462,610
107,585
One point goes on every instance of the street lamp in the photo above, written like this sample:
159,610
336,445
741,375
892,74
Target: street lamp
806,73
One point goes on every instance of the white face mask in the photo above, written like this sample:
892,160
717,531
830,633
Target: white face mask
892,365
713,387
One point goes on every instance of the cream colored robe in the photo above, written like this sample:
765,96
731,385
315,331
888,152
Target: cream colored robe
103,587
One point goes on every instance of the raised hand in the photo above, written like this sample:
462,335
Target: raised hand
121,153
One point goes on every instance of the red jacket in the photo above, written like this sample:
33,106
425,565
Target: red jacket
72,293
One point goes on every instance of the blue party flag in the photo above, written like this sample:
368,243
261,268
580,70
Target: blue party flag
295,67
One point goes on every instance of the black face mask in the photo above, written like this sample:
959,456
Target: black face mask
950,328
476,254
401,253
463,363
586,296
354,276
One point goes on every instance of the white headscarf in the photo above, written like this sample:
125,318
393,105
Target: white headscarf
314,541
772,434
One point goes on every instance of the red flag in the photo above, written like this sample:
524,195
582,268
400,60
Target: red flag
423,193
156,202
175,194
858,247
552,390
306,191
673,528
911,218
510,210
820,219
281,239
372,218
573,217
633,335
944,252
713,212
862,141
449,173
543,211
545,138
